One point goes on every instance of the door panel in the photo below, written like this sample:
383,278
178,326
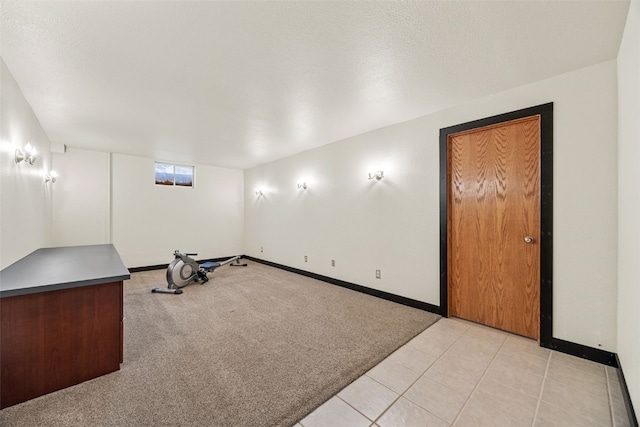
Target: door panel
494,204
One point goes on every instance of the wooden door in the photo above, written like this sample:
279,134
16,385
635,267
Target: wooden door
494,225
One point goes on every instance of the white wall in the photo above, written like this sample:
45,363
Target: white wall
25,198
629,203
81,198
111,198
150,221
393,224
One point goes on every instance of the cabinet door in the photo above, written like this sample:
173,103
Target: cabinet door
52,340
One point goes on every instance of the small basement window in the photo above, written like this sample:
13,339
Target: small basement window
177,175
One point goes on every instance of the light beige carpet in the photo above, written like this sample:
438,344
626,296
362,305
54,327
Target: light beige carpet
255,346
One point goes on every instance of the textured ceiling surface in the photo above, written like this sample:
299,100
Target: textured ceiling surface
237,84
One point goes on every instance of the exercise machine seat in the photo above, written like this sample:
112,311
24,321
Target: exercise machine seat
209,265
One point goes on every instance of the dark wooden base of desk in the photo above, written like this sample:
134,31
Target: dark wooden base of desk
52,340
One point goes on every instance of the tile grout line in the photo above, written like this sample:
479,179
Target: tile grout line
399,394
552,356
572,410
613,418
420,376
479,381
354,408
396,399
544,379
373,379
572,367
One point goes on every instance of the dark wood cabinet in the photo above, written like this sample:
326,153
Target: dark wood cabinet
59,337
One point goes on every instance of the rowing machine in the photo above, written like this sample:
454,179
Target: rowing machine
184,270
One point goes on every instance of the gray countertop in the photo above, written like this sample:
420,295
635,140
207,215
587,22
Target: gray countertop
50,269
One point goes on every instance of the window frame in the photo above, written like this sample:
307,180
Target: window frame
173,182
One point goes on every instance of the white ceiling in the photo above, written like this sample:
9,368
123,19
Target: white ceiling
237,84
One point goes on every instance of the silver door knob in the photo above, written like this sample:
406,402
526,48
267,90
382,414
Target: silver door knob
529,239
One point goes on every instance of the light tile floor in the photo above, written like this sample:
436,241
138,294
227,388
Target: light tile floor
464,374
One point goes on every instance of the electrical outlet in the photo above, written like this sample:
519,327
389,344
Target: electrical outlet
333,263
377,274
305,258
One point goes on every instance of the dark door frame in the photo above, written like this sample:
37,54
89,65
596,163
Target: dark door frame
546,209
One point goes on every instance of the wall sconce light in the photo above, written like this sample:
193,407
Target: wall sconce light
259,192
302,185
377,175
29,154
51,177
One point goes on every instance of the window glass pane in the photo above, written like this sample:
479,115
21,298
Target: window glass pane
164,174
184,176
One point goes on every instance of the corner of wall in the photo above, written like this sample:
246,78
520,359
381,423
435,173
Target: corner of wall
628,62
25,197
